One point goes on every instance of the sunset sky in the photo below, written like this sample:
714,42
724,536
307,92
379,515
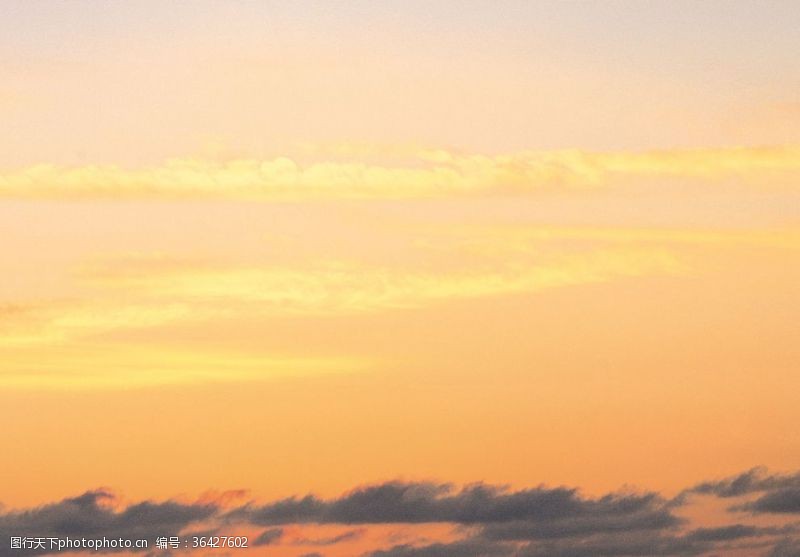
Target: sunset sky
360,251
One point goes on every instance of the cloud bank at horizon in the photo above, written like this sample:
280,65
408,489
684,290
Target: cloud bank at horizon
761,517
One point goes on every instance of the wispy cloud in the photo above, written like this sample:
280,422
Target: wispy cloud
88,367
349,287
140,292
84,335
423,173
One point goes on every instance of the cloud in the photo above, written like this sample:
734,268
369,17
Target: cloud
476,548
504,519
143,294
91,515
724,533
138,294
751,481
628,545
624,543
124,367
532,513
488,521
116,330
332,540
345,287
783,501
777,493
268,537
425,173
786,548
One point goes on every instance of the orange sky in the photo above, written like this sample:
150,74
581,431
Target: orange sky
294,251
174,346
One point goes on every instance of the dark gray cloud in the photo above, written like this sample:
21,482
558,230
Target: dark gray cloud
350,535
776,493
629,514
86,516
753,481
562,509
725,533
491,521
268,537
534,522
473,548
778,501
786,548
617,544
610,546
615,547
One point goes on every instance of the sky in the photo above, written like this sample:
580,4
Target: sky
402,279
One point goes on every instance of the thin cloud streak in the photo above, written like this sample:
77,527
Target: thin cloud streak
426,173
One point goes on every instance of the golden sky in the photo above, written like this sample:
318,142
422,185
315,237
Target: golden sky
292,248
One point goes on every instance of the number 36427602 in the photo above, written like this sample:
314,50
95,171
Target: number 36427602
219,541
